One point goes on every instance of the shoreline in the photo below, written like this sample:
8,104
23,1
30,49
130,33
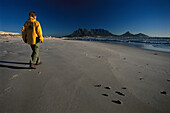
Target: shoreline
156,44
132,45
144,46
149,49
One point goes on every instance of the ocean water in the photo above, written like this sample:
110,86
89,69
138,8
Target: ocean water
154,43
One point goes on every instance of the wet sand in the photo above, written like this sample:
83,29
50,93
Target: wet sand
83,77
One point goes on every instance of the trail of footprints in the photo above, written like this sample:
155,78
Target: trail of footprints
116,101
9,89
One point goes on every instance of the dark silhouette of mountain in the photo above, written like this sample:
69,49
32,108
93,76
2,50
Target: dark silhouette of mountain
140,35
101,33
128,34
91,33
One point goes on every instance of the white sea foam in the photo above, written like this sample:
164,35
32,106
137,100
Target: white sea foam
157,44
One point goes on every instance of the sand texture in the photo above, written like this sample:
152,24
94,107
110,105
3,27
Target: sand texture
83,77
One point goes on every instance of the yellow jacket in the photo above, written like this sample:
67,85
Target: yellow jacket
32,30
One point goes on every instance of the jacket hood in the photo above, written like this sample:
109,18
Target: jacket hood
31,19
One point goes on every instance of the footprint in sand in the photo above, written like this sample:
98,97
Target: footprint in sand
141,78
97,85
6,41
98,56
39,73
106,95
124,88
86,54
14,76
148,103
124,58
119,93
163,92
108,87
117,101
7,90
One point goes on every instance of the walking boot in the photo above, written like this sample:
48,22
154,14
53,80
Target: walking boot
32,66
38,63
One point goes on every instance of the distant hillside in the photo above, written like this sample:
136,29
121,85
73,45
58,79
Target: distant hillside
140,35
2,33
90,33
101,33
128,34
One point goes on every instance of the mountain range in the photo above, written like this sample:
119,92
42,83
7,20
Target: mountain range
101,33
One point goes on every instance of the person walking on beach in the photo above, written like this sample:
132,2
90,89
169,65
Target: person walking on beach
32,34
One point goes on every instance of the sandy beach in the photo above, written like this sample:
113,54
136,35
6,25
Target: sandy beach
83,77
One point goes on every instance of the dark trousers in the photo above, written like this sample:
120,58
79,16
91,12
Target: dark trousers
35,53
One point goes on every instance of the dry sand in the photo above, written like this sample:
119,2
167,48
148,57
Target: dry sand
83,77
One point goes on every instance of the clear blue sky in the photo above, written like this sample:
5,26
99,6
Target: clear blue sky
62,17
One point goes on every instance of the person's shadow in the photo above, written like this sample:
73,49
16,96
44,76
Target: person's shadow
3,64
